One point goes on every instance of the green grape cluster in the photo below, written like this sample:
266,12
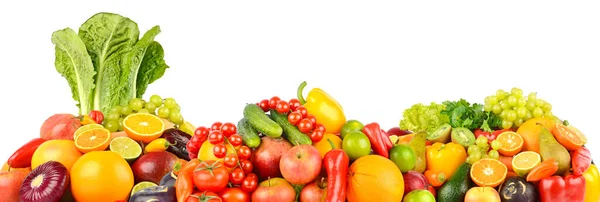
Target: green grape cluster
481,150
514,108
167,109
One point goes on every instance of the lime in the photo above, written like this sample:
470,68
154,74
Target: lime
350,126
356,144
404,157
524,162
142,185
84,128
126,147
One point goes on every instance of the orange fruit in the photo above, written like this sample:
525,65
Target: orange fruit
569,138
511,143
530,132
101,176
374,178
96,139
143,127
324,146
62,151
488,172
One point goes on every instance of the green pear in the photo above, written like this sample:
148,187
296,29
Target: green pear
551,149
417,144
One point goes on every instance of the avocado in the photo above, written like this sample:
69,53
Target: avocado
457,186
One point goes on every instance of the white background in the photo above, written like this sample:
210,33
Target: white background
376,58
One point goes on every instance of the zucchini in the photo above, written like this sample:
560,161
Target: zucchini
290,132
248,133
261,122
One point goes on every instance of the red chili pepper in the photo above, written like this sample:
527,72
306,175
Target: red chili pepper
373,132
336,164
386,139
22,157
556,188
184,186
580,160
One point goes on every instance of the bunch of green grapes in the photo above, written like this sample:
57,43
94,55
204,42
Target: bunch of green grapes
167,109
514,108
481,150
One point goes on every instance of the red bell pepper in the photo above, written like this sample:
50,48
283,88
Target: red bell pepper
336,164
373,132
386,140
581,159
22,157
556,188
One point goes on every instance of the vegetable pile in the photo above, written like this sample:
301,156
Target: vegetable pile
125,147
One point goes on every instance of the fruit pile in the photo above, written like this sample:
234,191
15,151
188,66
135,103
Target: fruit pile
510,148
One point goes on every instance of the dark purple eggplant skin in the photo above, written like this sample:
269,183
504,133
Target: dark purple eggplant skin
167,180
155,194
178,140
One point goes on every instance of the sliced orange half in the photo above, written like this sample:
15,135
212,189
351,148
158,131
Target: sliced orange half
511,143
568,137
96,139
143,127
488,172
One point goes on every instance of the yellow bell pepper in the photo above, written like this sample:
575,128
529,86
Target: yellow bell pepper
592,184
445,158
326,110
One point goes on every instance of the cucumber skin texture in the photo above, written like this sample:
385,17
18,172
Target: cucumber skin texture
249,134
261,122
290,132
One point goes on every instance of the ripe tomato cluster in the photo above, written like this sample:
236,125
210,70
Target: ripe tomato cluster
297,115
237,164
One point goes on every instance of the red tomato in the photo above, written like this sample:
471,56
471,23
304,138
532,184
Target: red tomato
246,165
244,152
302,111
250,182
211,176
312,119
216,126
204,197
216,137
235,140
237,176
316,136
220,150
264,105
305,125
320,127
282,107
97,116
202,133
230,160
228,129
273,102
294,118
235,195
294,104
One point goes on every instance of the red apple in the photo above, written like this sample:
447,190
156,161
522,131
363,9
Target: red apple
10,184
414,180
301,164
60,126
274,189
265,159
152,166
398,132
315,191
486,194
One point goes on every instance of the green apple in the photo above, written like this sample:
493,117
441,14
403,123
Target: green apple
419,195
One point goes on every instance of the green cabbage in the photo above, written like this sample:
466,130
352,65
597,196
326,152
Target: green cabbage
106,64
421,117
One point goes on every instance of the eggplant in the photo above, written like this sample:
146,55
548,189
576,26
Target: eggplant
178,140
168,180
517,189
155,194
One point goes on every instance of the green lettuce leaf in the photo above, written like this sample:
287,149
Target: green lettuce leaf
73,62
421,117
153,67
108,37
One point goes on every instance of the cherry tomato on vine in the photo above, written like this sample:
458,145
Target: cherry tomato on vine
320,127
246,165
305,125
264,105
97,116
282,107
237,176
302,110
244,152
312,119
316,136
235,140
228,129
250,183
216,137
273,102
220,150
202,132
294,118
216,126
230,160
294,104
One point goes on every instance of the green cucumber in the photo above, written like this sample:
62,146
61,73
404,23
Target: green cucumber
290,132
261,122
248,133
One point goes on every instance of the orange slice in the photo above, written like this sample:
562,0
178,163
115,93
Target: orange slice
96,139
511,143
568,137
143,127
488,172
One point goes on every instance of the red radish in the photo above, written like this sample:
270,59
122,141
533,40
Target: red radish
60,126
47,182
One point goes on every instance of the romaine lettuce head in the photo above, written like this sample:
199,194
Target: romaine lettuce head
421,117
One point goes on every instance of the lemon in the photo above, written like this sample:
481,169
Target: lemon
524,162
